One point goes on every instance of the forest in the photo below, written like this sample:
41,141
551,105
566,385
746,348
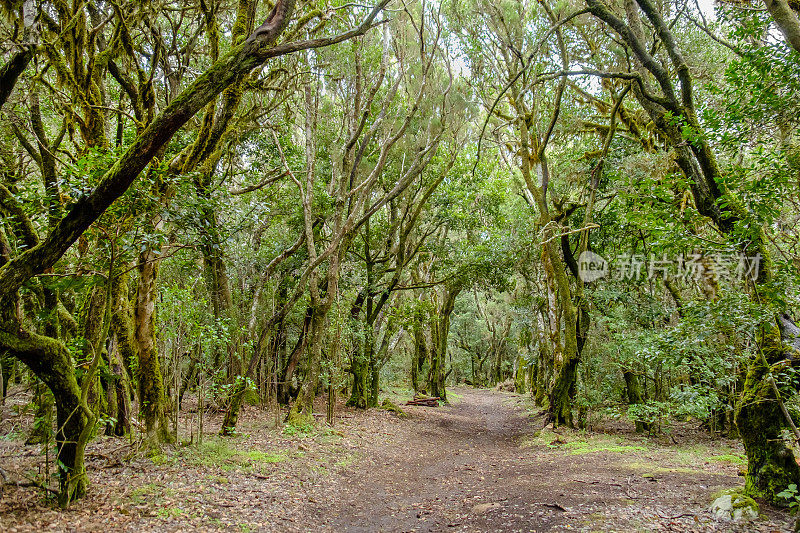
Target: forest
400,265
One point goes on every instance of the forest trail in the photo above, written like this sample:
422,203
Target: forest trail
480,464
476,466
458,466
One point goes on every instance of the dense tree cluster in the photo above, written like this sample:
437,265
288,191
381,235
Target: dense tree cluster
272,202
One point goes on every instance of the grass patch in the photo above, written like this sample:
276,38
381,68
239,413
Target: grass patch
701,453
581,442
586,447
346,461
169,512
220,454
263,457
650,468
298,430
729,458
160,459
150,493
214,453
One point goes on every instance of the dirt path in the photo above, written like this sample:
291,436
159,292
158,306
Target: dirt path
432,475
475,466
480,464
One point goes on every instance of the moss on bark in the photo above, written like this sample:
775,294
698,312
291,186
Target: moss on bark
50,361
634,393
563,393
302,410
771,465
234,408
520,372
151,385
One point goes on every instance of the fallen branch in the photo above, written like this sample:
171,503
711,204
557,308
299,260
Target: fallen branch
425,402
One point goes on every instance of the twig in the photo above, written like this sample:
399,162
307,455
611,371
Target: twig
587,228
553,506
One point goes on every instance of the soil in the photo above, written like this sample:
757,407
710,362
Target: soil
482,463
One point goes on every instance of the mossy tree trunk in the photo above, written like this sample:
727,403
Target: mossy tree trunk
441,331
287,372
771,464
302,411
93,328
51,362
359,369
358,359
634,393
124,351
564,315
520,372
235,401
152,400
420,354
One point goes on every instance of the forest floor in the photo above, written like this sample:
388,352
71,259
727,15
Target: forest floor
480,464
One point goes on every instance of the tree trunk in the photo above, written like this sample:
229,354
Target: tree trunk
563,393
50,361
359,368
437,374
576,325
151,386
634,393
771,466
358,359
497,362
125,353
302,411
122,393
218,285
285,381
519,375
235,401
420,354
